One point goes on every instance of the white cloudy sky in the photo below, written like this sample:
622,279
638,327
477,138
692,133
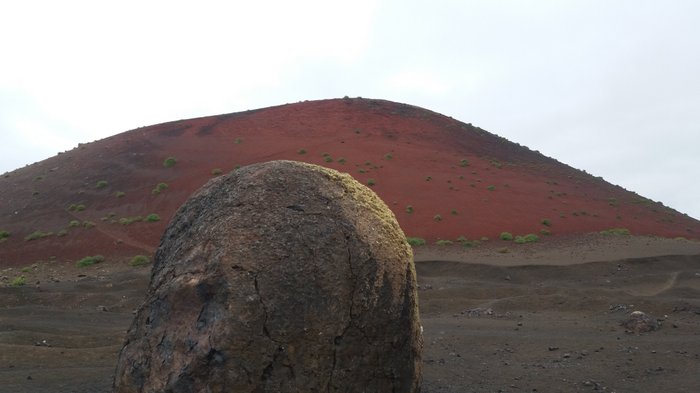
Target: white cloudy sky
611,87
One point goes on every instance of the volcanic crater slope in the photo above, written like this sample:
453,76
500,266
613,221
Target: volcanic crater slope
443,179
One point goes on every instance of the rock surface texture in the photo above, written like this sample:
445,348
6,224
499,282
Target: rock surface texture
639,322
279,277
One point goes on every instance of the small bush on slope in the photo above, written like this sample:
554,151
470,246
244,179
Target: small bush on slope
88,261
506,236
529,238
169,162
466,242
76,207
415,241
139,260
37,235
159,187
616,232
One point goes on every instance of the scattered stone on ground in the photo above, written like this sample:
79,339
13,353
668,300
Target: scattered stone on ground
639,322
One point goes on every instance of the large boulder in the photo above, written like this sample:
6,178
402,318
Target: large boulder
279,277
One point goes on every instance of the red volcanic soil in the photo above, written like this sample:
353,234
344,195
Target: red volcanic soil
442,178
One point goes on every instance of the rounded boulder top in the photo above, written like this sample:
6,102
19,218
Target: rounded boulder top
278,277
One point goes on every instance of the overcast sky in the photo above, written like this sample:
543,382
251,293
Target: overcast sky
611,87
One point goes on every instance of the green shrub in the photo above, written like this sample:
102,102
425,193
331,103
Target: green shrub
503,250
443,242
18,281
545,232
130,220
371,182
546,223
428,178
415,241
37,235
466,242
388,156
327,158
529,238
454,212
216,172
301,151
616,232
464,162
88,261
88,224
159,187
62,232
101,184
169,162
342,160
491,187
409,209
506,236
139,260
238,141
76,207
437,218
4,234
470,243
119,194
74,224
152,217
